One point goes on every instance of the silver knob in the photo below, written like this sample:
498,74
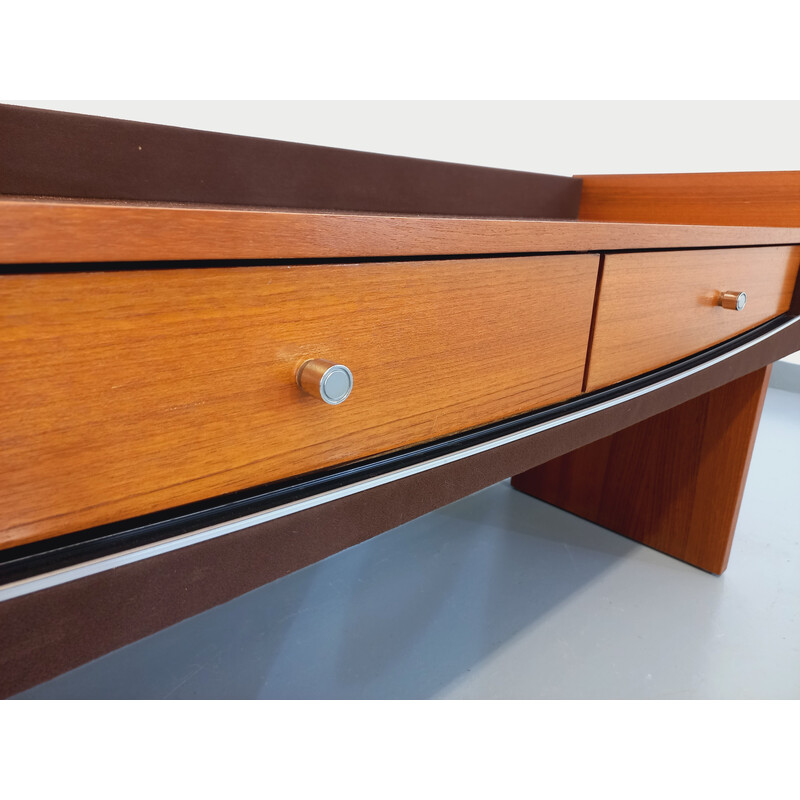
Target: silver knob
733,300
327,381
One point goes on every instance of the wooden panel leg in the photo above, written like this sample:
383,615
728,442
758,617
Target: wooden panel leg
673,482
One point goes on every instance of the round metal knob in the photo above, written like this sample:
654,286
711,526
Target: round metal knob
733,300
327,381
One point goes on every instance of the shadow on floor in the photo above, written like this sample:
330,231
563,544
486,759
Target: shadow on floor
399,616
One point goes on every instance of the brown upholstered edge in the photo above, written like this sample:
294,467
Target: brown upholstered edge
57,154
54,630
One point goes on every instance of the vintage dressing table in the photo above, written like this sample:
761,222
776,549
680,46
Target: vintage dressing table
225,358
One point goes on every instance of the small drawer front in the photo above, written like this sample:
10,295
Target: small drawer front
133,391
656,308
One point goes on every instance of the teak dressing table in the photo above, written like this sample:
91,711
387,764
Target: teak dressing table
225,358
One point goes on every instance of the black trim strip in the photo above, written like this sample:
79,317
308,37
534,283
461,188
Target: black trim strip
28,560
601,268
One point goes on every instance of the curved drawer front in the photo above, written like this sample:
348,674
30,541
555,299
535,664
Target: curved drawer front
133,391
656,308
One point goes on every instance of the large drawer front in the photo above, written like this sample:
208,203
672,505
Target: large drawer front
656,308
132,391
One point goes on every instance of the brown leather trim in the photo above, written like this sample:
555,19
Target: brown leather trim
54,630
52,153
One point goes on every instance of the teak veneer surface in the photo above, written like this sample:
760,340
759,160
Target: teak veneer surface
656,308
710,198
129,392
674,481
38,231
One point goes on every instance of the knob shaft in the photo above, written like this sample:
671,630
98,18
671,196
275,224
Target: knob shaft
331,383
733,300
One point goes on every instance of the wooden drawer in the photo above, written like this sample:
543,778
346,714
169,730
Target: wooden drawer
131,391
656,308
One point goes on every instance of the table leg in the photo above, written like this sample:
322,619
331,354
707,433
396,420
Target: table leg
673,482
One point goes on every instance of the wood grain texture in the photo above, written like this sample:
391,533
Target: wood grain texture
673,482
656,308
33,231
711,198
128,392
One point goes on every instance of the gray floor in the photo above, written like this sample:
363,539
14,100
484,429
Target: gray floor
501,596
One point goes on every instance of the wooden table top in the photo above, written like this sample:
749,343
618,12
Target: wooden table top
47,231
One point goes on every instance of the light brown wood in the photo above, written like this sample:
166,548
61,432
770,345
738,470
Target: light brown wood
712,198
656,308
55,231
673,482
128,392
